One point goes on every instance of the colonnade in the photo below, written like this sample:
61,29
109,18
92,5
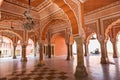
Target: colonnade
48,49
103,47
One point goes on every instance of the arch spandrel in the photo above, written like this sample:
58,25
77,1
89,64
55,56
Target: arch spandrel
8,31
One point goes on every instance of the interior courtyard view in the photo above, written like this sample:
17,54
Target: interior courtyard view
59,39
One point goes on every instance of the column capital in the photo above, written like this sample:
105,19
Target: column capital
79,39
14,44
101,38
86,42
113,40
24,44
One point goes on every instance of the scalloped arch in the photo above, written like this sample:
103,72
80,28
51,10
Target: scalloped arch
12,33
110,26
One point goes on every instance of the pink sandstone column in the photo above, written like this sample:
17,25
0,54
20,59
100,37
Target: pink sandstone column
80,69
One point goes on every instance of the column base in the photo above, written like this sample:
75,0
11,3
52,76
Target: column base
34,55
85,55
115,56
41,63
81,71
104,61
49,56
68,58
14,57
24,59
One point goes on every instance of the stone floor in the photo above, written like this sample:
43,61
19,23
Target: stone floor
57,68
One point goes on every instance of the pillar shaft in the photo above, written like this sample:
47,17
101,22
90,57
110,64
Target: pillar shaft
71,51
49,51
68,51
104,56
80,69
14,50
35,49
86,49
52,50
41,55
114,50
24,58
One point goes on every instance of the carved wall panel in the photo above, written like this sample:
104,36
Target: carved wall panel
92,26
10,16
109,21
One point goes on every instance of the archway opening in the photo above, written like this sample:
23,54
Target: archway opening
94,45
30,48
18,51
74,48
6,47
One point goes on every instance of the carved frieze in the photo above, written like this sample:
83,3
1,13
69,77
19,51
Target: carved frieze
10,16
92,26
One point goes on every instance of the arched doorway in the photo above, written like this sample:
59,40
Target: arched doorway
18,51
94,45
74,47
30,48
6,47
113,30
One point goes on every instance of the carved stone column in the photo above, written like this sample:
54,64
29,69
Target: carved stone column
41,55
49,51
24,45
68,36
80,69
86,49
52,49
35,47
24,58
115,55
45,49
68,51
14,51
71,51
104,56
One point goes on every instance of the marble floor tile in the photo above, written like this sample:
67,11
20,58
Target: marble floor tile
58,68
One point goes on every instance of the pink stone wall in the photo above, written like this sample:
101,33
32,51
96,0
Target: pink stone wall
60,46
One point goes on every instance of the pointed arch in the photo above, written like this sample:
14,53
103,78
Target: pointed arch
70,14
12,32
110,26
45,28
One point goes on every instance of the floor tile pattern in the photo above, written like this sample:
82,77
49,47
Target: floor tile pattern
39,73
